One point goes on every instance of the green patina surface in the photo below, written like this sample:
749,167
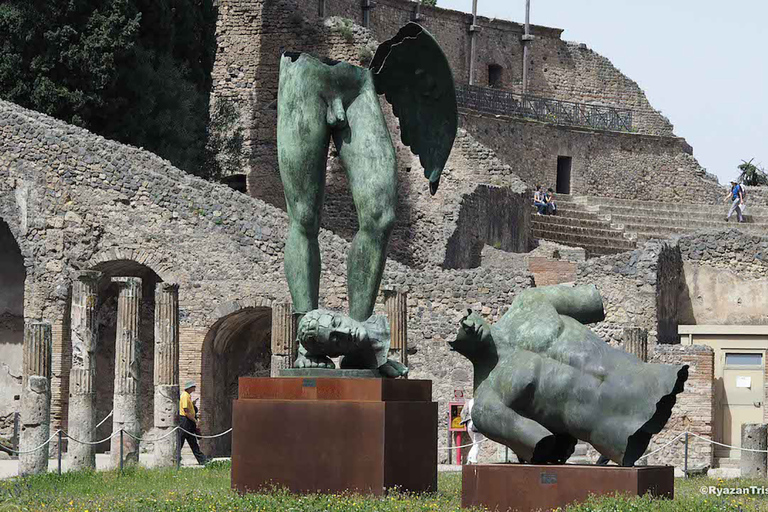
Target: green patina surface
324,100
543,380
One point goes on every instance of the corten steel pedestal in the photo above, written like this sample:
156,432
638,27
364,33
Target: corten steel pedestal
528,487
329,434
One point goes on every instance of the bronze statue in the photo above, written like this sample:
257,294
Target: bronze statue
544,380
320,100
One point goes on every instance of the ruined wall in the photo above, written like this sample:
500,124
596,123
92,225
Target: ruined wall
490,215
623,165
726,278
107,205
557,69
693,411
629,285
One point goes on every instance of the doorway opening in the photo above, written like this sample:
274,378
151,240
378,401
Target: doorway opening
495,75
12,277
237,345
563,184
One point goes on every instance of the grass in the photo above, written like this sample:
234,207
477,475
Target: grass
208,489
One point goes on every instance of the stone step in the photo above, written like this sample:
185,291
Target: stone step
702,211
592,244
572,221
634,214
610,202
574,214
688,222
590,250
604,232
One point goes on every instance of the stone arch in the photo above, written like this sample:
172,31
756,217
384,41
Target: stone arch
105,352
158,262
237,345
12,283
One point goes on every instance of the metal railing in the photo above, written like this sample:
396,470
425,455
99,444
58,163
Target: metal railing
507,103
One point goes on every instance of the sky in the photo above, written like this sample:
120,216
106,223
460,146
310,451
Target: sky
702,63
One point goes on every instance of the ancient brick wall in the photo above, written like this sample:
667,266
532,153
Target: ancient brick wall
623,165
111,206
548,271
694,410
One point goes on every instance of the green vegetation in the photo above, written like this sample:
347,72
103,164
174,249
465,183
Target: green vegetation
346,30
752,174
430,3
208,489
138,71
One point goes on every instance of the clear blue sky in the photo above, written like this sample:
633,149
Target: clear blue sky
703,63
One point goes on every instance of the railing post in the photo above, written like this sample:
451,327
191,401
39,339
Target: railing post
60,448
121,451
685,464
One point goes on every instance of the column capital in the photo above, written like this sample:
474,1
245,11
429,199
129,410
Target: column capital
167,287
88,276
127,280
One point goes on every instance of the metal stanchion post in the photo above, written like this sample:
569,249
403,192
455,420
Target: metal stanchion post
121,451
685,470
60,448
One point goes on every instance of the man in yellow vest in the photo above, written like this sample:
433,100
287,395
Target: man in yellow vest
188,423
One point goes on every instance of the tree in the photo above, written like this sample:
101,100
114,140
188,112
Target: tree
430,3
137,71
752,174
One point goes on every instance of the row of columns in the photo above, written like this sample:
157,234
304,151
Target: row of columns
126,415
36,395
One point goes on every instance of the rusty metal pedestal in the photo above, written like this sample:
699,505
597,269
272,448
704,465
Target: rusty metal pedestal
528,487
327,434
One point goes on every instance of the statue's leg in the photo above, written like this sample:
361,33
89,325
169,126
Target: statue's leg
367,153
302,144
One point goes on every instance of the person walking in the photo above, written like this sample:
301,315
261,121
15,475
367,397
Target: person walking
188,424
736,194
474,434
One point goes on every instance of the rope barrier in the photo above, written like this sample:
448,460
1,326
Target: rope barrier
33,449
102,421
661,448
174,429
110,436
462,446
205,437
727,445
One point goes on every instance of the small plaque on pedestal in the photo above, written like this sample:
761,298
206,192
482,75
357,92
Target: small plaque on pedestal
332,434
529,487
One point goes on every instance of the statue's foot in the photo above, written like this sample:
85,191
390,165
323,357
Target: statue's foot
393,369
310,361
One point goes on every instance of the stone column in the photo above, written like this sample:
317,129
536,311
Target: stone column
166,371
636,342
397,311
35,398
127,368
82,375
753,437
284,346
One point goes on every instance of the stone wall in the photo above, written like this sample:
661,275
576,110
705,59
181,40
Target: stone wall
103,205
726,278
694,410
629,285
623,165
558,69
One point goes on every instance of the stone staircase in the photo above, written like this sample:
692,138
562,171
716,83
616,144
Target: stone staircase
580,224
644,220
604,225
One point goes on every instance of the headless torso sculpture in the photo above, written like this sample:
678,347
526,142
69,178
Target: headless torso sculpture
320,100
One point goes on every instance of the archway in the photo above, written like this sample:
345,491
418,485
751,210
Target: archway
105,351
12,276
237,345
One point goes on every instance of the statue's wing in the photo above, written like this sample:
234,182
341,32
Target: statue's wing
412,72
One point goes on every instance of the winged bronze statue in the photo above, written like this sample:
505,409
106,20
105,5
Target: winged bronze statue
323,99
